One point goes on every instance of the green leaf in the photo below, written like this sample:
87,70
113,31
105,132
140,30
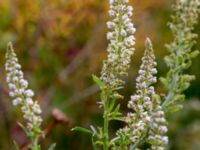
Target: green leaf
177,98
187,65
173,109
187,78
184,86
180,59
82,130
169,60
52,146
112,104
194,54
97,81
117,108
164,82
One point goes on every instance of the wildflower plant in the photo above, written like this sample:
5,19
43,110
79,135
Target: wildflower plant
120,49
147,118
22,96
181,54
147,122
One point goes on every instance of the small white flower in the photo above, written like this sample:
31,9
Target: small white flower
29,93
17,101
123,33
23,83
154,71
109,35
110,24
11,94
15,79
29,101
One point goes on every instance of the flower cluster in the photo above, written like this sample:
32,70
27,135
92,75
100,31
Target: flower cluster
141,102
181,53
147,113
158,126
121,42
20,93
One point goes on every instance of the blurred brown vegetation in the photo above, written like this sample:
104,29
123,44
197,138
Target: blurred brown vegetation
60,43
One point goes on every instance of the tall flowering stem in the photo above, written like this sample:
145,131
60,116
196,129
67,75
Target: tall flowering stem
146,122
120,50
22,97
181,54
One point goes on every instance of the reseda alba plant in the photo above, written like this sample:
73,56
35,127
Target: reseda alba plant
146,123
22,97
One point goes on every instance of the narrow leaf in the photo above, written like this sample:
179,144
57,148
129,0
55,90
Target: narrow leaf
82,130
97,81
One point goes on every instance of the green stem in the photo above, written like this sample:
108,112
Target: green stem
35,144
173,85
106,125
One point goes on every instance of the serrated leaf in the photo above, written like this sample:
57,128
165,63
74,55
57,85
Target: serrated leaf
52,146
82,130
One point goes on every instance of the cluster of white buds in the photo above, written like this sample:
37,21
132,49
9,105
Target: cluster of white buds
121,42
158,127
18,90
141,102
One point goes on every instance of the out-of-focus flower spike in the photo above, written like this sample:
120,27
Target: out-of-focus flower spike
21,95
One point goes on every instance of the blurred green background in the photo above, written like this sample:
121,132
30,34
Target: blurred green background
60,43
